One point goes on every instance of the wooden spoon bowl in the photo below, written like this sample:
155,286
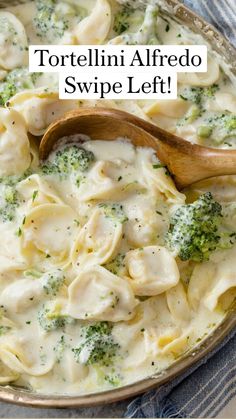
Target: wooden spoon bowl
187,162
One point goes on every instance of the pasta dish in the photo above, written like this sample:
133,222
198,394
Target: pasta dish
108,273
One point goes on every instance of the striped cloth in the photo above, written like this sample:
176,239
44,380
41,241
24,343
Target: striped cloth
220,13
204,391
208,389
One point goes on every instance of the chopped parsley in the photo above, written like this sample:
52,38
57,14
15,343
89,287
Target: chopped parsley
114,211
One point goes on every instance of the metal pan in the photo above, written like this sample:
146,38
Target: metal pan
25,397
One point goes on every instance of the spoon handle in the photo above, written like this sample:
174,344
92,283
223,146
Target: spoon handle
188,162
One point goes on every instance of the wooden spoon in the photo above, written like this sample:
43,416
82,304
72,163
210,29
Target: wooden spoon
187,162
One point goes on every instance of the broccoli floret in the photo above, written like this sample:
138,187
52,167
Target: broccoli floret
121,21
7,90
13,180
223,127
53,283
98,345
231,123
22,79
45,21
129,16
9,199
197,94
114,211
9,203
142,26
67,160
211,90
16,80
52,319
192,94
53,18
116,265
225,121
193,231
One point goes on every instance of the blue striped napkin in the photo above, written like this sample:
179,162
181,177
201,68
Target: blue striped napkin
201,392
220,13
208,387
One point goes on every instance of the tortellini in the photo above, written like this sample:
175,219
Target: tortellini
91,298
97,294
173,342
202,79
18,361
135,108
36,191
177,108
94,29
7,375
72,370
145,315
223,102
100,183
97,241
14,143
39,108
210,281
13,42
178,304
104,182
157,178
151,332
3,74
11,258
21,295
153,270
200,281
145,223
49,231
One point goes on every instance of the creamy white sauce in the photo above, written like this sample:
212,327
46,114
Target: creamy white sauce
89,245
